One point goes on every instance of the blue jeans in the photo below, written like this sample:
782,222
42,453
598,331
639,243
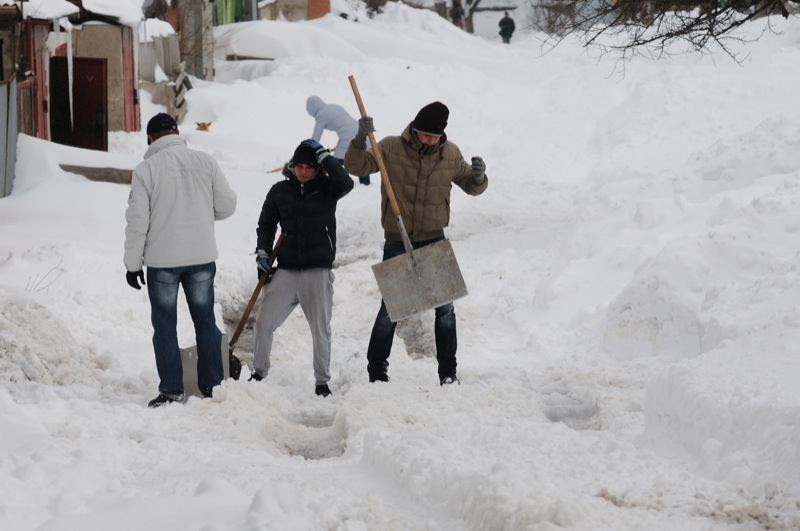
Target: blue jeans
198,286
380,341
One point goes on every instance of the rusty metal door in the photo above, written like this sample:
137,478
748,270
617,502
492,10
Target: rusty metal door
88,127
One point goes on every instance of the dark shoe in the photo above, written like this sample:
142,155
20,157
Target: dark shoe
448,380
322,390
383,377
207,393
255,376
163,399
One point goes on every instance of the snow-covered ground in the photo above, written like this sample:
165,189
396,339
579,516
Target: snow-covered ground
628,352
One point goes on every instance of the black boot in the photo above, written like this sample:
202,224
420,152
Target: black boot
449,380
163,399
379,377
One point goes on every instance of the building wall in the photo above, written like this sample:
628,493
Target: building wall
105,41
229,11
8,36
318,8
294,10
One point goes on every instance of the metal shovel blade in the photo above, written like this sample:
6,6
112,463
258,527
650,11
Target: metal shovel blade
189,362
424,279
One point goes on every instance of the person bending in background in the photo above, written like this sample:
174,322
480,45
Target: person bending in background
176,196
333,118
304,205
422,166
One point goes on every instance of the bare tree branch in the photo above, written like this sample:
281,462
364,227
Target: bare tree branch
631,27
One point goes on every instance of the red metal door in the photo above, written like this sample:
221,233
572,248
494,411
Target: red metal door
89,125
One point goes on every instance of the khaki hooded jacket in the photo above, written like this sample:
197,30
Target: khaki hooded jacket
421,178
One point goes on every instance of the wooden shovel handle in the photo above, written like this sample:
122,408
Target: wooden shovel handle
376,150
382,167
261,281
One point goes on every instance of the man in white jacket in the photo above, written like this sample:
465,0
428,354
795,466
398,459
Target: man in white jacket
176,195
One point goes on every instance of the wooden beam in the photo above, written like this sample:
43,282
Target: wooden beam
234,57
9,14
107,175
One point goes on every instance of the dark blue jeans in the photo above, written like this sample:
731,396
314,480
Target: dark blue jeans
380,342
198,286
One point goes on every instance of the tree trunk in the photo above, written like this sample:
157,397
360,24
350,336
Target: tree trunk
468,27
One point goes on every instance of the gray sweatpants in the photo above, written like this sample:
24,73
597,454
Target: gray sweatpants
312,289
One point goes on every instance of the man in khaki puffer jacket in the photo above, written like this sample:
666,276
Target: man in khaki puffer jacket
422,166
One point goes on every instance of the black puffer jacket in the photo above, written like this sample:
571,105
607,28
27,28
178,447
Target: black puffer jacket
307,216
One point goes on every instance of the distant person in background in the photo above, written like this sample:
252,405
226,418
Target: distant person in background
507,28
333,118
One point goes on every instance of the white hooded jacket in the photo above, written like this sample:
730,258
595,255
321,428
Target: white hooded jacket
334,118
176,195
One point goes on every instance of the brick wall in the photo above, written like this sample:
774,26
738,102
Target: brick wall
318,8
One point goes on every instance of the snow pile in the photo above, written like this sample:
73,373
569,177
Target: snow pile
627,352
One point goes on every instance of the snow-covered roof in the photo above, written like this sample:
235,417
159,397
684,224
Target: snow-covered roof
153,27
265,39
48,9
129,12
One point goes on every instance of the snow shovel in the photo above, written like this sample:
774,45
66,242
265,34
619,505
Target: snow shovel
233,367
261,281
421,279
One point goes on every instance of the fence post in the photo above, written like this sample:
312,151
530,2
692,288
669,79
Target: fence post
8,135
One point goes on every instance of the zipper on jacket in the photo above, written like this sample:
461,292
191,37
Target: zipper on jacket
328,234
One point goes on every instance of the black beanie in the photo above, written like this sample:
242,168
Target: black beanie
161,122
432,118
305,154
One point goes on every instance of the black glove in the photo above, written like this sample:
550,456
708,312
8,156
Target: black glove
262,260
478,170
365,127
317,147
133,278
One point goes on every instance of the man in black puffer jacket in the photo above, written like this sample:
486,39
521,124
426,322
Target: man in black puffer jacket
305,207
